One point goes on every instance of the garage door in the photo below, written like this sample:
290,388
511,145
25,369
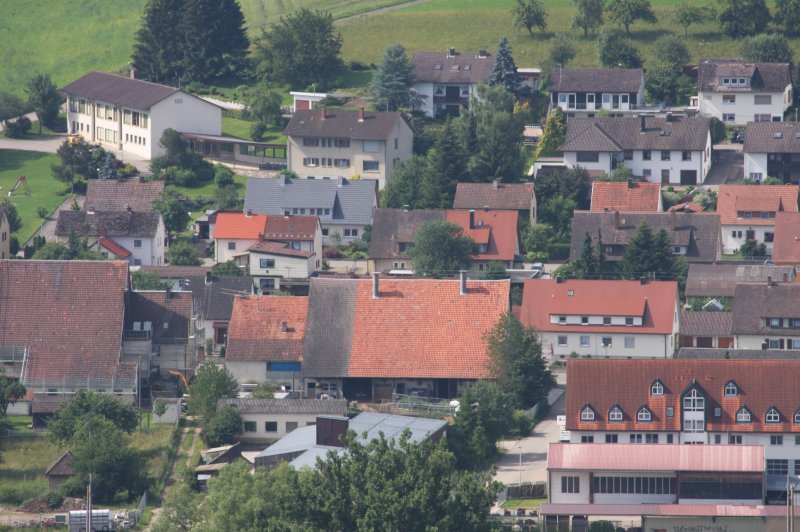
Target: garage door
301,104
688,177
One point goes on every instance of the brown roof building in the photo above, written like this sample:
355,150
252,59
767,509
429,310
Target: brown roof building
122,195
626,197
720,280
445,80
497,196
771,149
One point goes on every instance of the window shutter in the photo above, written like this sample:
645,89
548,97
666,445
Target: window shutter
781,343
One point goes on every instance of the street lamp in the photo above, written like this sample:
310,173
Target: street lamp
519,445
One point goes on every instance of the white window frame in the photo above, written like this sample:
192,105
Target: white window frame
657,389
772,416
644,415
615,415
743,416
587,414
731,390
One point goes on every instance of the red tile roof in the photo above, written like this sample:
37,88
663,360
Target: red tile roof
497,229
278,248
655,301
733,199
114,248
237,225
69,314
256,331
632,457
498,196
686,206
291,227
621,196
761,385
786,247
423,328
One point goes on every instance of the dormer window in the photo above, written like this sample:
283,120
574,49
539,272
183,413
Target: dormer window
657,389
743,415
797,417
731,390
772,416
644,415
587,414
615,415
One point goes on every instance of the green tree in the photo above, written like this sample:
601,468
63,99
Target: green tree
626,12
648,254
213,40
562,51
109,168
227,198
157,49
181,510
447,164
403,188
666,83
44,98
76,248
751,248
392,81
505,70
615,51
787,14
68,418
183,254
718,130
671,50
586,267
529,14
441,249
227,268
175,147
495,270
767,48
171,206
741,18
11,106
588,15
10,392
210,384
687,14
516,361
537,237
264,105
554,134
558,212
78,160
142,280
301,49
222,427
572,183
223,176
264,390
14,221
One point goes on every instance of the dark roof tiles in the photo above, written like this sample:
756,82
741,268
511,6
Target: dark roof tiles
440,67
118,90
110,224
618,80
496,196
116,195
625,133
769,77
342,124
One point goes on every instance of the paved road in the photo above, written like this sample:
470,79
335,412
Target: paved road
51,145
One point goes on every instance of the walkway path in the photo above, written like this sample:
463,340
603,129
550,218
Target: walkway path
48,229
195,435
379,11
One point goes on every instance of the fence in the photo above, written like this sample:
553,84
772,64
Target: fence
137,513
419,406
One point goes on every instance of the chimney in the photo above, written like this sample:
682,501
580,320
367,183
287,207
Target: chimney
769,280
485,208
496,183
462,282
248,213
642,119
472,218
669,116
133,71
673,220
168,293
284,327
376,290
559,279
616,219
360,114
630,183
483,54
331,430
208,277
451,52
322,112
128,207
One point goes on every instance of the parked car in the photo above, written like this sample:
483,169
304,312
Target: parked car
331,390
537,270
738,137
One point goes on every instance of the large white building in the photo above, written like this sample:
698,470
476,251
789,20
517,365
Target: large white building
737,91
617,319
670,150
584,91
130,115
268,420
446,80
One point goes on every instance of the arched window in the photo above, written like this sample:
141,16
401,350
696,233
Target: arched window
694,401
772,416
743,415
731,390
644,415
657,389
587,414
615,414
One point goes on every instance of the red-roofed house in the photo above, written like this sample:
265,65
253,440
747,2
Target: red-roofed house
603,318
632,196
495,232
235,232
265,339
747,212
786,248
111,249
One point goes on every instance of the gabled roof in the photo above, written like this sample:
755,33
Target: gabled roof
267,328
496,196
332,407
62,467
68,314
763,77
291,227
786,247
110,224
119,90
115,249
704,323
626,133
238,225
349,202
342,124
214,300
772,137
416,328
733,199
754,302
761,384
654,301
628,80
169,312
699,232
120,195
278,248
626,197
392,227
439,67
704,280
495,229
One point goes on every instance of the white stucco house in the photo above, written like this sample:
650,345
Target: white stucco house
267,420
583,91
747,212
772,149
129,115
738,91
137,237
669,150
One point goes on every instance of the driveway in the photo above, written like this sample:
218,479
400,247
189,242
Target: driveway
48,229
727,165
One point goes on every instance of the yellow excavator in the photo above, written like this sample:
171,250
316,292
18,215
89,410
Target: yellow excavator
183,379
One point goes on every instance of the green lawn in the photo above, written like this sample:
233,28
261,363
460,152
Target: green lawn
209,189
528,504
236,127
44,187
